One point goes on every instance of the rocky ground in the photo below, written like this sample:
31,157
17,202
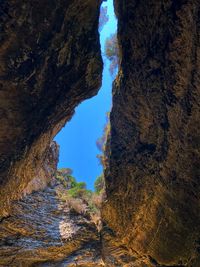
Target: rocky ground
43,231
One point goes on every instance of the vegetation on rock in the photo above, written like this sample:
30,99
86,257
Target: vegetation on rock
112,52
99,184
77,196
103,19
101,142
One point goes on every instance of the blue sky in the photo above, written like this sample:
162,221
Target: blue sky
77,139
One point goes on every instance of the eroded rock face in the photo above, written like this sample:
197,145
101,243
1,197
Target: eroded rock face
43,231
50,62
152,213
46,172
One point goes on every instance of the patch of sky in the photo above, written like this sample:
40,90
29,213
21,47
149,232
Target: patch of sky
77,139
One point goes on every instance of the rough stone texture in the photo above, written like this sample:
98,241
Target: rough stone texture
50,62
46,172
42,231
152,212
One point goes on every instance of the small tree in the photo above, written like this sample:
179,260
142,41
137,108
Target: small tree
99,184
101,141
64,176
103,19
66,171
77,191
112,52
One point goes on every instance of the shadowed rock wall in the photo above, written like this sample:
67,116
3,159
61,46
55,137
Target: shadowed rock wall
50,62
46,173
152,212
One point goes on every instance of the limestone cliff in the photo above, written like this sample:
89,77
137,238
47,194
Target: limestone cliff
152,212
50,62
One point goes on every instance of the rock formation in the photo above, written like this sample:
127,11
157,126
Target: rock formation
152,213
46,172
50,62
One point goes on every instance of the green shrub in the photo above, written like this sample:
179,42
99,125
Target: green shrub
78,190
112,52
64,176
99,184
101,142
78,197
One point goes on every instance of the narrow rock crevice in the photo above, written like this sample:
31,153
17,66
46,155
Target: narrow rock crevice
50,62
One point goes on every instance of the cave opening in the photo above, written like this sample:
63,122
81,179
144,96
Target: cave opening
82,140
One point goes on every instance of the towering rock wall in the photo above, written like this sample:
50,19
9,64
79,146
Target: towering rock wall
50,62
152,213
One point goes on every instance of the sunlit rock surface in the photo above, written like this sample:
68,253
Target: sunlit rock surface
42,231
152,213
50,62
